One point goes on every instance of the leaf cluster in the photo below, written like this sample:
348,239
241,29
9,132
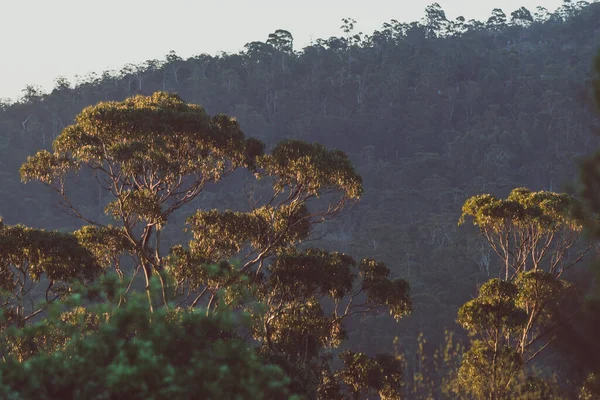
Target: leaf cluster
310,168
380,289
142,355
383,373
56,255
494,310
546,210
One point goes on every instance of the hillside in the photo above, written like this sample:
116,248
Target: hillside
430,113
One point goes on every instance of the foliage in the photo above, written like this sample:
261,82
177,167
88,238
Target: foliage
141,355
154,154
528,228
487,373
33,258
382,373
513,318
428,118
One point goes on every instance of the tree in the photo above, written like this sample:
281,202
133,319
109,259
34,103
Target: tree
103,351
522,17
541,14
155,154
350,41
497,21
152,155
292,283
435,20
490,365
529,231
281,40
489,140
382,373
532,233
31,259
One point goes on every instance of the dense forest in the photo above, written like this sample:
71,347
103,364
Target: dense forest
399,214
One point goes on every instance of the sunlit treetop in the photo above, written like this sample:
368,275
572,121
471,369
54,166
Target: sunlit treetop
106,243
57,255
537,288
493,309
142,135
380,289
383,373
311,168
545,210
36,264
152,154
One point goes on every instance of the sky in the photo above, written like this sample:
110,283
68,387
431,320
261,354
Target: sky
44,39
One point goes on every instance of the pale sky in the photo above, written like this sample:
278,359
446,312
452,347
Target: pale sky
43,39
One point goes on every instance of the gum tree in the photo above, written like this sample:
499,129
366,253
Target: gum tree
536,236
152,155
38,267
136,354
155,154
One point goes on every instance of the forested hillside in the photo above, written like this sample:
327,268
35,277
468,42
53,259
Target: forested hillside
430,114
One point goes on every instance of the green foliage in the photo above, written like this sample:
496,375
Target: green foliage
161,131
311,168
107,244
382,373
529,230
494,312
158,134
154,154
301,330
220,235
187,268
497,107
538,288
314,271
47,167
393,294
31,258
54,254
546,211
296,285
141,355
487,373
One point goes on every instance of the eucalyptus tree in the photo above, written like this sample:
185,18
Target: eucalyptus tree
108,352
38,267
155,154
497,20
152,155
283,42
521,16
292,283
435,20
536,236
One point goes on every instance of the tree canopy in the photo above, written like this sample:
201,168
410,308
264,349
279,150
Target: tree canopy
152,155
427,113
